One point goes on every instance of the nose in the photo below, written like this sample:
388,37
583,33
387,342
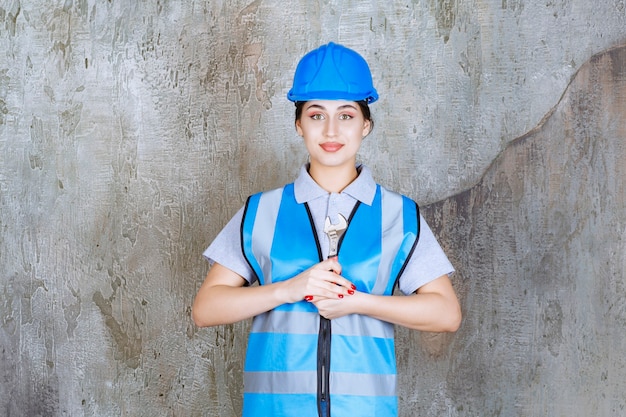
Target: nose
331,127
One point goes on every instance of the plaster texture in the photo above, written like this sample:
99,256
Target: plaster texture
130,132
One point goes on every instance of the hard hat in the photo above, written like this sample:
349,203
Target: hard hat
332,72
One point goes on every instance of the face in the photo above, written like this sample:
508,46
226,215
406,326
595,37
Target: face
333,131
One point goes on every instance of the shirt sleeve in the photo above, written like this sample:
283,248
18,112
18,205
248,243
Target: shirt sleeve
226,249
427,263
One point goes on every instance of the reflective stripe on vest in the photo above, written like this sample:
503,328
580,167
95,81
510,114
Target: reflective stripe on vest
279,241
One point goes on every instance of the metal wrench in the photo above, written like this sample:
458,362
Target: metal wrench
334,233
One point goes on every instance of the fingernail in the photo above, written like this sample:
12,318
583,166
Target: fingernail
353,286
340,295
350,292
308,298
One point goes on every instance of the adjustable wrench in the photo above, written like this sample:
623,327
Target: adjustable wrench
334,233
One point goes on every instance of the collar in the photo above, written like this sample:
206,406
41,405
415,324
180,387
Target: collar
363,188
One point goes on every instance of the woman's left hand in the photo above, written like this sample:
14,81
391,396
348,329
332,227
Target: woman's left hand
434,307
332,308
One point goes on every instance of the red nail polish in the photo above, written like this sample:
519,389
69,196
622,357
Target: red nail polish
353,286
308,298
340,295
350,292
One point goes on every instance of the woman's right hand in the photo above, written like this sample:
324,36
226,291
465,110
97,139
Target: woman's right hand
223,298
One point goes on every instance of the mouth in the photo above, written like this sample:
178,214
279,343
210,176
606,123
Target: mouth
331,146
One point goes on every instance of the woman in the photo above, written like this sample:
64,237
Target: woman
327,251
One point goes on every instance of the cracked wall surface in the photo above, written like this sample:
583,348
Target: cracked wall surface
130,132
542,251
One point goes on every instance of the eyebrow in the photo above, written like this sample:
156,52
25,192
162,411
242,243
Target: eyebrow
342,107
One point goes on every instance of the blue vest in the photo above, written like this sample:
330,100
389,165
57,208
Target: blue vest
299,363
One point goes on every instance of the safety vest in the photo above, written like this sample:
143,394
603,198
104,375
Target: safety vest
299,363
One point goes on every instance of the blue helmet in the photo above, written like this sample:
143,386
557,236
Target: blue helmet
332,72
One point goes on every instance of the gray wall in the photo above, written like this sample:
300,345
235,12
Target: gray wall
130,132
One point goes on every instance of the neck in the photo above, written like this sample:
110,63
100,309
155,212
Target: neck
333,179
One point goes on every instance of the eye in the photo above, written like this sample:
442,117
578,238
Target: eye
345,116
317,116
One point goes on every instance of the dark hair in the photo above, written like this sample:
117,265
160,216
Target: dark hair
365,109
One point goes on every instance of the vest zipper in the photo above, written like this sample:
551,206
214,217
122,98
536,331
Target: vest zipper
323,368
324,336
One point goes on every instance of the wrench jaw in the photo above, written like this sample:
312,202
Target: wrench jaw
334,233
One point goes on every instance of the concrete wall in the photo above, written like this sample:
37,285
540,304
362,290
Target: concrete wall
131,131
542,251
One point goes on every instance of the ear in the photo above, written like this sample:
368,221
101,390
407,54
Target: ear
367,128
299,128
